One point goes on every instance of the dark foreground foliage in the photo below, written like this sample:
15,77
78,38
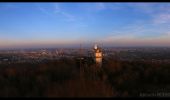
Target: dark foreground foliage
63,78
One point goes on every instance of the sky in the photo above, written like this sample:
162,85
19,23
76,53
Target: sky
69,23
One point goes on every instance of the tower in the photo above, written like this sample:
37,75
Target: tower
81,61
98,55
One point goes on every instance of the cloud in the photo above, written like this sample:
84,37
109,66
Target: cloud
56,9
105,6
109,6
68,16
8,6
143,7
155,25
139,33
100,6
44,10
130,40
159,12
162,18
93,7
119,38
60,11
137,30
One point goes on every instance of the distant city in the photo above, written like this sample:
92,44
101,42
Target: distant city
156,54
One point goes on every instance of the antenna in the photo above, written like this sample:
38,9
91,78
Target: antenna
80,58
80,50
102,47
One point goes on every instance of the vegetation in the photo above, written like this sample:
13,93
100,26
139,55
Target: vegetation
63,78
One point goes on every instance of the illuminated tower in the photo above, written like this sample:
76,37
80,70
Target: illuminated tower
98,55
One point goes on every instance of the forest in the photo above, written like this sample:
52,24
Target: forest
66,78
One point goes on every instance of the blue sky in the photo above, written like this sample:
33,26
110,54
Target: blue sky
114,24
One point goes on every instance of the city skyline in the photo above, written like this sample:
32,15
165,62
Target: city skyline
69,24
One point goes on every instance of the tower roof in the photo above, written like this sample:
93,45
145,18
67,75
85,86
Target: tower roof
95,46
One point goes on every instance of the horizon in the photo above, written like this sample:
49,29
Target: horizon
52,25
78,47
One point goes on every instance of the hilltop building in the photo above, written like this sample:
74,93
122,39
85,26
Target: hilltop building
98,55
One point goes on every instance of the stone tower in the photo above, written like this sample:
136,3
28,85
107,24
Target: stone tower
98,55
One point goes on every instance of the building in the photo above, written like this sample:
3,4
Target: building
98,55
